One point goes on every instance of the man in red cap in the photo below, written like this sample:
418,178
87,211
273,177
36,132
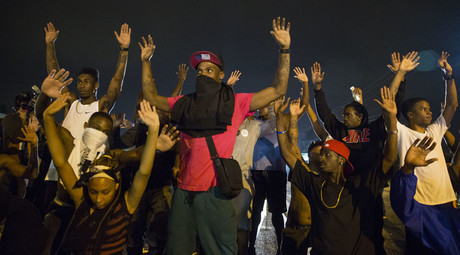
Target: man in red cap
342,204
199,209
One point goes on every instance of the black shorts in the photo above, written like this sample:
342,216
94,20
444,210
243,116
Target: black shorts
270,184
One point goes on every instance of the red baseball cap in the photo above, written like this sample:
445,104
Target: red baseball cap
341,149
201,56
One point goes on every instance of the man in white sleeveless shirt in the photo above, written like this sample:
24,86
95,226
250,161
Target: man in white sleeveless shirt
87,103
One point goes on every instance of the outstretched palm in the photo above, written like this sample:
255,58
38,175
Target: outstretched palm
387,104
124,38
147,49
149,115
167,138
234,77
57,104
316,75
300,74
416,155
281,32
445,66
55,82
51,33
409,62
295,108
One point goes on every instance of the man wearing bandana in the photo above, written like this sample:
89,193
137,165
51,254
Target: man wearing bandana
199,209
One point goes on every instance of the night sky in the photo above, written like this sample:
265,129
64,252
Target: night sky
353,40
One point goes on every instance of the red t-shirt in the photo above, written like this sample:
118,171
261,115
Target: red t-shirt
196,168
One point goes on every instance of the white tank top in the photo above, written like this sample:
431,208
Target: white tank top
77,116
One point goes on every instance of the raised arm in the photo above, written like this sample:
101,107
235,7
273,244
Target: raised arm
44,99
389,110
181,76
305,93
283,141
451,100
281,34
107,101
134,194
234,77
57,149
408,63
296,109
51,35
149,88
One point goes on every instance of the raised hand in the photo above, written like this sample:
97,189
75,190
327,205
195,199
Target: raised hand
55,82
295,108
124,38
388,104
29,135
280,105
34,123
316,75
51,33
167,138
234,77
117,119
126,124
357,94
443,64
416,155
281,33
57,104
148,115
182,72
300,74
147,49
409,62
396,62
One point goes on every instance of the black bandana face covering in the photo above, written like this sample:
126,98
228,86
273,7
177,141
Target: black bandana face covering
206,112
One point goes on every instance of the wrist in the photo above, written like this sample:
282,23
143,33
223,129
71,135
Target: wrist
285,51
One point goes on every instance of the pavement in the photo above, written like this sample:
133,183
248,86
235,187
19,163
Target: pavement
393,230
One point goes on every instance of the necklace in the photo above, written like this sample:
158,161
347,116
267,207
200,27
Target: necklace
338,199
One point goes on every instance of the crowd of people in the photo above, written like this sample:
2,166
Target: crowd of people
167,182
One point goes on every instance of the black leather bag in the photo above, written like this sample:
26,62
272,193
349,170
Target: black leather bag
228,172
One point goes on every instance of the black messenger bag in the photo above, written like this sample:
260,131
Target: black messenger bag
228,171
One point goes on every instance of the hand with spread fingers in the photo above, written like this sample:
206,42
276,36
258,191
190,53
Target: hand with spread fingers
281,104
316,75
34,123
182,72
416,155
388,104
57,105
124,37
409,62
29,135
55,82
296,109
51,33
149,115
147,48
167,138
395,62
300,74
281,33
234,77
443,64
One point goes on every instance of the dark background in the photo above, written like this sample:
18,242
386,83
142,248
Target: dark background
353,40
